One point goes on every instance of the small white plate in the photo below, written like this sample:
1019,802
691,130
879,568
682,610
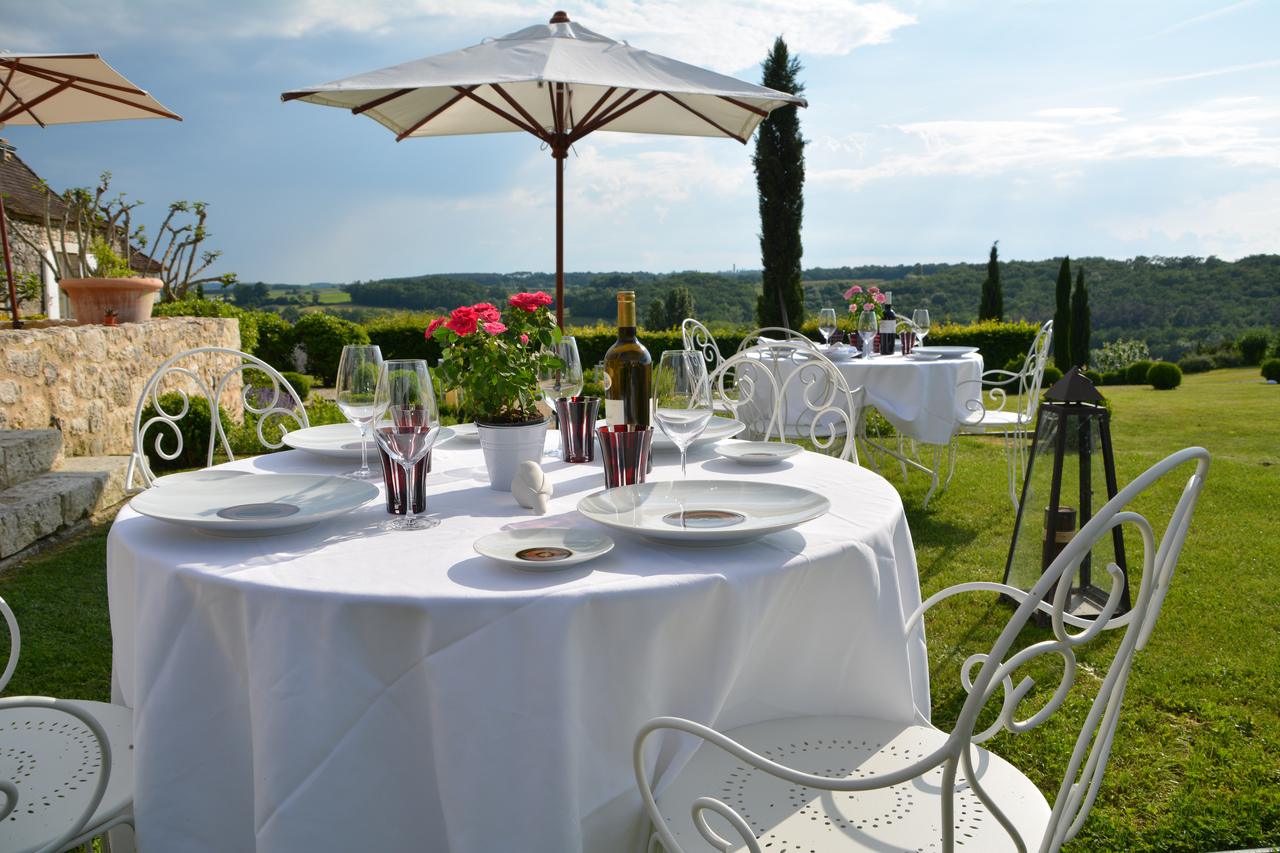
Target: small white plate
462,432
757,452
340,441
204,475
543,549
704,512
945,352
257,505
917,355
717,430
838,352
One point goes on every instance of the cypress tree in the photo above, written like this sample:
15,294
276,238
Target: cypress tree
779,164
992,307
1080,323
1062,319
679,306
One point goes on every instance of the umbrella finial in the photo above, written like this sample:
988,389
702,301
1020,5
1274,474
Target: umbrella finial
560,18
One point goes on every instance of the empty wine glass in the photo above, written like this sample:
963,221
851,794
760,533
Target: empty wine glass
563,379
920,322
681,398
868,328
827,324
354,387
406,424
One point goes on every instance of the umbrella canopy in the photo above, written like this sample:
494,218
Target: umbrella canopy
558,82
64,88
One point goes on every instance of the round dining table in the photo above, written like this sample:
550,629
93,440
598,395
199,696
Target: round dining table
348,688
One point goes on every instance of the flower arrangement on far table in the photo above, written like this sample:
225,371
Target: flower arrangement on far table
492,357
865,299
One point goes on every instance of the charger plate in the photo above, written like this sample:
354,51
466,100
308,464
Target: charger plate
254,505
704,512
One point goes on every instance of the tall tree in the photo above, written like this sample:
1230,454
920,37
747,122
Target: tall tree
992,307
655,316
1062,319
779,163
1080,323
679,306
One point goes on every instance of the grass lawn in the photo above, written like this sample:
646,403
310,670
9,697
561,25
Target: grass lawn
1196,762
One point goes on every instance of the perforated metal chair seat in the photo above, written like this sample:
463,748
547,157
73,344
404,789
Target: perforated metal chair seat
53,760
789,818
997,421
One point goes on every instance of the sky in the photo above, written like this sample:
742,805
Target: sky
1080,127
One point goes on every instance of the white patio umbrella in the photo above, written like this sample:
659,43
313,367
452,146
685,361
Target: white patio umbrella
64,88
559,82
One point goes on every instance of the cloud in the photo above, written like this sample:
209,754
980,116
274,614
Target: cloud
1233,225
728,35
1206,16
1232,131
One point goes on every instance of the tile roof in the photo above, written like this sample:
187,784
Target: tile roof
22,196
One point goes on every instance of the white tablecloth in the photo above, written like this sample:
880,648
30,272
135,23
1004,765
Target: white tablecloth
346,688
922,399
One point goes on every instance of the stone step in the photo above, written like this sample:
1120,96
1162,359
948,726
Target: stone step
82,489
27,453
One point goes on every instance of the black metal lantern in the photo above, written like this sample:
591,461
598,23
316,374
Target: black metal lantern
1071,461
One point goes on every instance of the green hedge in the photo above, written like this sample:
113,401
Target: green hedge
401,336
196,427
300,382
323,336
1196,364
275,340
998,342
210,308
1253,347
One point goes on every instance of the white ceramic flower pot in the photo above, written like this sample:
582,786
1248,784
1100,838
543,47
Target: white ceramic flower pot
505,446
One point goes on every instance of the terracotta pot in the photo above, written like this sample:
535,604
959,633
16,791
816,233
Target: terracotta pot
131,298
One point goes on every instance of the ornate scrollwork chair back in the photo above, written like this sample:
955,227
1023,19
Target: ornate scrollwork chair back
698,338
1009,813
277,406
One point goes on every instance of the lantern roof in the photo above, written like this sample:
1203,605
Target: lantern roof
1075,387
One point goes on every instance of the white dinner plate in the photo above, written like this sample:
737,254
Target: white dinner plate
340,441
204,475
543,549
757,452
945,352
838,352
704,512
917,355
717,429
256,505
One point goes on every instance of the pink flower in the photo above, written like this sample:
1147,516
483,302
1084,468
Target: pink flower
868,306
530,301
853,308
435,324
873,289
524,339
493,327
879,298
853,291
486,312
462,321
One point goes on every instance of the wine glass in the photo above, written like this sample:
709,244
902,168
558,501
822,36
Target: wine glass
563,379
354,387
868,328
406,424
682,398
827,324
920,322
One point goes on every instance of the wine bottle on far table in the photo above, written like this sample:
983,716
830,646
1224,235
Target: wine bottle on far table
628,370
888,326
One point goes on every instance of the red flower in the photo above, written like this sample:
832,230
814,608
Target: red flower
493,327
435,324
530,301
462,321
486,312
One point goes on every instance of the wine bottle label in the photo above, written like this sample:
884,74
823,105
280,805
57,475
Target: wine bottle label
888,326
613,412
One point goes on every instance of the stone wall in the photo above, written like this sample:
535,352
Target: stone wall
86,380
25,260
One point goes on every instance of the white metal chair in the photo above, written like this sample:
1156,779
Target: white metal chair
277,404
66,767
757,384
698,338
1013,424
829,784
770,335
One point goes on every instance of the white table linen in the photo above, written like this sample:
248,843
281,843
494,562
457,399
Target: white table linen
924,400
345,688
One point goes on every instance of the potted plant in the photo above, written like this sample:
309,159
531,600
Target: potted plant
492,358
111,317
114,286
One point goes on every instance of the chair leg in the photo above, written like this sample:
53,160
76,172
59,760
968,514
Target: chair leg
933,485
902,462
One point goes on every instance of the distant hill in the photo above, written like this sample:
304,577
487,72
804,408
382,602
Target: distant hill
1172,303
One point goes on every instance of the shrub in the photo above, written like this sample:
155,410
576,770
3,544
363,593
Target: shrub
300,382
275,340
323,336
195,426
1118,355
1253,347
1093,376
1136,373
1164,376
1275,346
1227,358
210,308
1271,369
1051,375
401,336
1196,363
1113,377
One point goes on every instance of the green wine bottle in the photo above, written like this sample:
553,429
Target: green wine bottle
628,370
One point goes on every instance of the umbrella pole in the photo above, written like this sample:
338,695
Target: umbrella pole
8,264
559,156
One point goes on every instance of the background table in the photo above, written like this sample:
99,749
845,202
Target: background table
345,688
